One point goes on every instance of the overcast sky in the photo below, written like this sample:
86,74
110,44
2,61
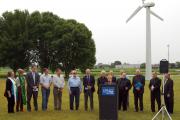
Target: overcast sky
116,40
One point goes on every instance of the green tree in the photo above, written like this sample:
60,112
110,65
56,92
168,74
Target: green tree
46,39
14,40
42,30
143,65
75,46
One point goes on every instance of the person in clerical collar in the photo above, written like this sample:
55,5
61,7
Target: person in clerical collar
155,92
124,85
169,93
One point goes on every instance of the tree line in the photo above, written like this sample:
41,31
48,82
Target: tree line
46,39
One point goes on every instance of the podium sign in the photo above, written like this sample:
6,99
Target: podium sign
108,102
108,91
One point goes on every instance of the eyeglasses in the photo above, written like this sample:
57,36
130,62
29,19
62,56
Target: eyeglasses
74,73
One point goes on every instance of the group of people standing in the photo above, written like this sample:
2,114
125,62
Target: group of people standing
16,93
138,84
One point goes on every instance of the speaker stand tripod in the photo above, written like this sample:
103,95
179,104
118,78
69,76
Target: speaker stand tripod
163,109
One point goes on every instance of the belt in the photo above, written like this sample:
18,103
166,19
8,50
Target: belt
58,88
74,87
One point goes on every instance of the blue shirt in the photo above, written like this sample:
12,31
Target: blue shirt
74,82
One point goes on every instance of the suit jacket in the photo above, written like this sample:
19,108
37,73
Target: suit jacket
138,79
168,88
8,87
114,79
122,84
101,81
156,82
30,80
87,82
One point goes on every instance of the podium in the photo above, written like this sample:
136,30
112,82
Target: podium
108,102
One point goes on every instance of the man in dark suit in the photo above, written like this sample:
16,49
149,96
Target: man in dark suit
154,86
169,93
124,85
138,84
88,82
32,79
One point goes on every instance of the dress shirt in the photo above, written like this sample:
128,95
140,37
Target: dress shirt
34,78
74,82
45,80
58,81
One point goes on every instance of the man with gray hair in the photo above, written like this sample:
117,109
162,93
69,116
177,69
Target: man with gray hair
58,82
88,82
75,88
138,84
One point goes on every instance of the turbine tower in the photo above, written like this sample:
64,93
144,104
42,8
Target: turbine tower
149,12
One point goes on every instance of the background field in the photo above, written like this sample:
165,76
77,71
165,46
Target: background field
65,114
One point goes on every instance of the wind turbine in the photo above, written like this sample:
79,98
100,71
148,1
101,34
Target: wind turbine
149,12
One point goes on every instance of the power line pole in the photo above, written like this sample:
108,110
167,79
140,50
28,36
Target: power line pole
168,51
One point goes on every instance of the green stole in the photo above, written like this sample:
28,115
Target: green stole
22,83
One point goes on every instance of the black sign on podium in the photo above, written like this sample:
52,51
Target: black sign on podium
108,102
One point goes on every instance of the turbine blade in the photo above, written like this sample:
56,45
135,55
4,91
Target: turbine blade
134,13
153,13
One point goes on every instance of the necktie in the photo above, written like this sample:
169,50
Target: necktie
34,77
88,79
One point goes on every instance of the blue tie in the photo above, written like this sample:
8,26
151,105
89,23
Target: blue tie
88,78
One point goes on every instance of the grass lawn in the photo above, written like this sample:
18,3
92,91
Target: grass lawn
65,114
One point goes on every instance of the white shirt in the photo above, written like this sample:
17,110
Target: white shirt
74,82
14,87
45,80
58,81
17,82
34,78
